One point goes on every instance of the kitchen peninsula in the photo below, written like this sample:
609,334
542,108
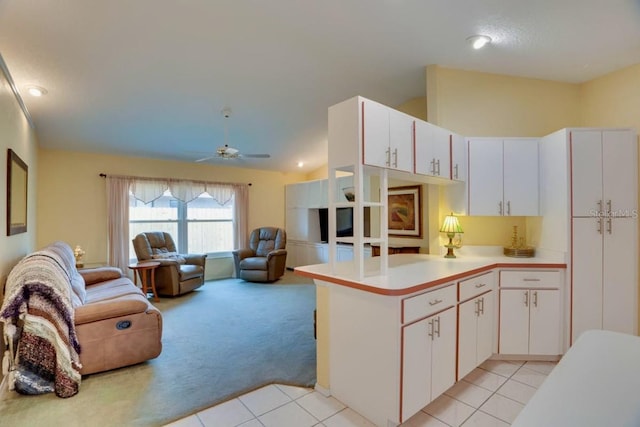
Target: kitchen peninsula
397,341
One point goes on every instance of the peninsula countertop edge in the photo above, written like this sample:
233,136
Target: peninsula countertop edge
411,273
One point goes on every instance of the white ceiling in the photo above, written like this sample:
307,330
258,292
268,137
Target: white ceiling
150,77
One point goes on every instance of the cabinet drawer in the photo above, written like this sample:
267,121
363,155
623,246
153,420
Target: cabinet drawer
423,305
469,288
530,279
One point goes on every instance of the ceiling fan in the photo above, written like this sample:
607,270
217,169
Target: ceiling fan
227,152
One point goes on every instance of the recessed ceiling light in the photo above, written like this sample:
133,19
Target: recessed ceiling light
36,90
479,41
300,164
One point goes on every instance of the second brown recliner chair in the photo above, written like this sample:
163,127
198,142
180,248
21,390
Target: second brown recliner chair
177,273
265,258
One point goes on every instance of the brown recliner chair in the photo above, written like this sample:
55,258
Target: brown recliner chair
264,260
177,273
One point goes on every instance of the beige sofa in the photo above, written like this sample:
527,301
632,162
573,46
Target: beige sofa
116,326
83,321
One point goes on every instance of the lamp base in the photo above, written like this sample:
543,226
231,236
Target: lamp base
450,253
450,246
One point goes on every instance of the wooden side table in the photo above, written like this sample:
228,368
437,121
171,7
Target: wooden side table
146,270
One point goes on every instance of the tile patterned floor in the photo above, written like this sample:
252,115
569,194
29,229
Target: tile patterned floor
492,395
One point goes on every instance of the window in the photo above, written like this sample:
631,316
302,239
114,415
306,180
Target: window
199,226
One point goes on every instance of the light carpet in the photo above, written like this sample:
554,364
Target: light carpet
222,340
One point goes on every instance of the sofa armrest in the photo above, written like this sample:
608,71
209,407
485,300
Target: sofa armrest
92,276
122,306
276,253
195,259
167,262
241,254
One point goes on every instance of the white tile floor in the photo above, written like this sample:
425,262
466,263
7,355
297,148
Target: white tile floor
491,395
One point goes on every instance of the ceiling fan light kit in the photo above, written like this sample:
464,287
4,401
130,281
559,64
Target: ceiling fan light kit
227,152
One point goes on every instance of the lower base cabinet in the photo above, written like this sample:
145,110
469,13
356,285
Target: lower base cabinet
429,360
533,316
476,332
531,321
391,355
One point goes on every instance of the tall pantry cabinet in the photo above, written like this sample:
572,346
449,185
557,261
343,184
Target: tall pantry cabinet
594,220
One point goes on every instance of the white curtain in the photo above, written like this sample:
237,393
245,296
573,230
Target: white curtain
149,189
118,221
241,208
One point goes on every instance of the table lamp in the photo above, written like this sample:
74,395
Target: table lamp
451,226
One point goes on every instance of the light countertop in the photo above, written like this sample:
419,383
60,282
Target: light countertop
408,273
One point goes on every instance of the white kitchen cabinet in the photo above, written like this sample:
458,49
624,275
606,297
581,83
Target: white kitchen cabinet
503,176
432,150
476,324
458,158
429,354
604,209
603,165
604,257
589,207
387,137
530,321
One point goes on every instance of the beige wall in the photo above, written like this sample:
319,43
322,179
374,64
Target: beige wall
16,134
72,196
481,104
612,100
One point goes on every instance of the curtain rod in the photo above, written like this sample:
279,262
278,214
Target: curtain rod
104,175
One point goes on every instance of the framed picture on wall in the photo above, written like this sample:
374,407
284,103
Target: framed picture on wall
17,171
405,211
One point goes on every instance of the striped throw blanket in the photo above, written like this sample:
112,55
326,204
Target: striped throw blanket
38,317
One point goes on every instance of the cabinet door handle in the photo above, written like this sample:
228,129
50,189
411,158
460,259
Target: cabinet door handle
500,208
395,158
609,210
437,321
432,170
477,303
530,280
509,207
438,163
526,298
609,225
387,154
599,204
480,285
482,305
435,301
455,171
430,333
535,298
599,225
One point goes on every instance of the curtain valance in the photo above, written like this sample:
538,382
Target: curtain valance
150,189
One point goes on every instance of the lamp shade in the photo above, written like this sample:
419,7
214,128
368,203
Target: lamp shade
451,225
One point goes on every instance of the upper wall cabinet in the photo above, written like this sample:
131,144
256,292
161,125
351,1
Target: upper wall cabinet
503,176
432,150
601,161
458,158
387,137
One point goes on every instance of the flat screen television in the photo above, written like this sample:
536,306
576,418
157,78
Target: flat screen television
344,222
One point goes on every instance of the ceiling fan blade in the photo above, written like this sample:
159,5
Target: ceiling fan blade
204,159
257,156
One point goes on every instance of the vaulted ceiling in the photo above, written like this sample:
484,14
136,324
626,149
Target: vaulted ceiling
151,77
